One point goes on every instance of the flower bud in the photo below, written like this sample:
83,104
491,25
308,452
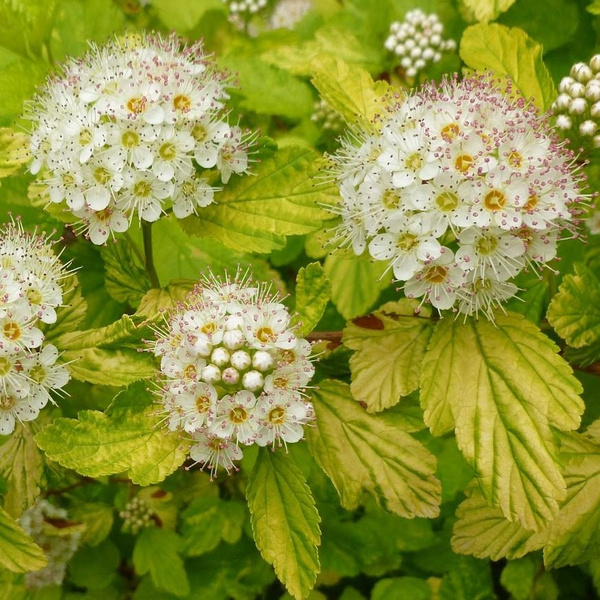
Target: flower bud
241,360
564,122
578,106
220,357
211,374
565,85
577,90
595,110
596,141
252,381
588,128
592,90
262,360
562,102
595,63
230,376
581,72
233,339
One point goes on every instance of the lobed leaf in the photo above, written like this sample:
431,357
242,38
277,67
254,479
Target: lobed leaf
487,10
502,387
127,437
313,291
285,521
18,552
14,151
360,452
389,346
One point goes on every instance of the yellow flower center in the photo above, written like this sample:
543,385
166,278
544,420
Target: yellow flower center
7,402
182,102
515,159
34,296
5,366
38,373
486,245
390,199
532,202
414,162
202,404
142,189
238,415
494,200
450,132
168,151
277,415
102,175
265,334
447,201
12,331
130,139
136,105
436,274
199,132
407,242
463,162
85,137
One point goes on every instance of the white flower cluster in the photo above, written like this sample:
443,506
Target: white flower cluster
577,108
462,189
30,291
233,371
58,547
128,130
137,515
245,7
327,118
288,13
418,41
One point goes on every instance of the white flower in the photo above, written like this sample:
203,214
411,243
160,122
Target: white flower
124,133
227,349
461,189
283,415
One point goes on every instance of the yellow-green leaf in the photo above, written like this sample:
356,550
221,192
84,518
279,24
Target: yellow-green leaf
18,552
157,300
575,311
14,151
365,453
282,197
502,387
285,521
389,347
313,291
22,466
127,437
509,52
349,90
487,10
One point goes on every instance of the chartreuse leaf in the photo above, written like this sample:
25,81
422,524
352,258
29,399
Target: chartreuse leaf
313,291
502,387
285,521
156,552
14,150
127,437
487,10
349,90
518,577
467,578
574,535
98,520
157,300
575,311
594,7
509,52
25,26
22,466
360,452
389,347
482,531
18,552
356,282
108,355
255,213
182,15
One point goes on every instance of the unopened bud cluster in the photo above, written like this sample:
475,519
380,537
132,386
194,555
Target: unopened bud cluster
418,41
243,8
129,130
58,545
327,119
577,107
233,371
288,13
30,292
137,515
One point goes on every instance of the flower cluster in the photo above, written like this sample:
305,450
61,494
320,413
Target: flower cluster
577,108
137,515
288,13
461,189
418,41
233,371
327,118
59,547
245,8
30,291
128,130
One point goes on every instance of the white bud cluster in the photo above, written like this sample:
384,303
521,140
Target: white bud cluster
127,131
288,13
245,7
58,547
233,371
30,292
418,41
577,107
137,515
327,118
460,190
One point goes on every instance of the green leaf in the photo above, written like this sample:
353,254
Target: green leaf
18,552
14,151
71,314
594,7
574,535
389,346
157,552
18,82
269,90
98,519
487,10
22,466
349,90
509,52
575,311
127,437
207,521
182,15
360,452
401,587
25,26
502,387
483,531
94,568
126,277
157,300
313,291
285,521
468,579
356,282
518,577
255,213
108,355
